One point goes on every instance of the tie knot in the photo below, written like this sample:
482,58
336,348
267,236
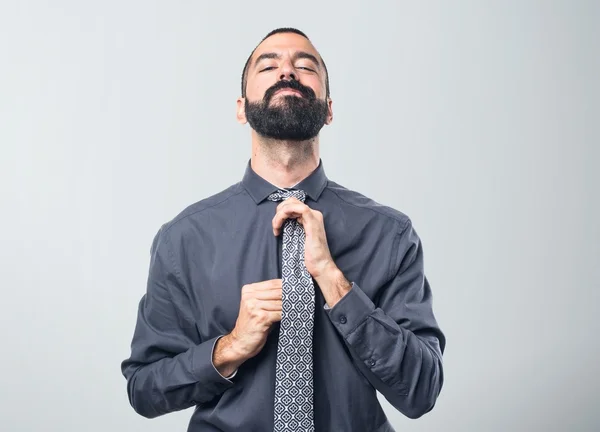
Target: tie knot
283,194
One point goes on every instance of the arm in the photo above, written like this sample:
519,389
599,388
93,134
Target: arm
397,344
169,368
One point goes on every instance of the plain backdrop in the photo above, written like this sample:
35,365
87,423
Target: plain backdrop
477,119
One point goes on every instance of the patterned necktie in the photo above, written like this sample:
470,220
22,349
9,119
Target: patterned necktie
293,408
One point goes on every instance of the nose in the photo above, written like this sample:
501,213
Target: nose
290,76
287,71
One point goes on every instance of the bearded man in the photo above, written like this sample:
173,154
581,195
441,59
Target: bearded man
286,301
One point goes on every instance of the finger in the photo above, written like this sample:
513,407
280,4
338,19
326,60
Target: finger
263,285
269,284
270,305
304,215
274,316
272,294
288,201
290,211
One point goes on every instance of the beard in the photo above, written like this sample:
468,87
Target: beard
291,118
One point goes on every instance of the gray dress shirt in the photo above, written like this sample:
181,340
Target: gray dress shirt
381,336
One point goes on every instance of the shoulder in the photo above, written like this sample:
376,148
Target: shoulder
356,201
189,216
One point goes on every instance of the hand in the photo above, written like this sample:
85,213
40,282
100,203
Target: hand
317,257
260,307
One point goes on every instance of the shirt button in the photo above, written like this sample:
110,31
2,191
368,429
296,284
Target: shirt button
343,319
371,362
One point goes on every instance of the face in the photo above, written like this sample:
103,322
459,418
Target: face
285,91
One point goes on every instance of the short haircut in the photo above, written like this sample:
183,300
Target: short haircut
271,33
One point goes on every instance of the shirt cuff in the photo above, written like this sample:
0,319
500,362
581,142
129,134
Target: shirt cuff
350,311
204,369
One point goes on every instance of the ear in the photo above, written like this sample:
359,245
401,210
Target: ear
241,111
329,118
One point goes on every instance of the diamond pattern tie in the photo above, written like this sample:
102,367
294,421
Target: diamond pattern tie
293,407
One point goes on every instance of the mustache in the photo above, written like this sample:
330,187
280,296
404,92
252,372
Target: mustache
305,91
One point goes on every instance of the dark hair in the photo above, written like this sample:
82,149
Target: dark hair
271,33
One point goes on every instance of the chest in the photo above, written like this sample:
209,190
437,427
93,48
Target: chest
248,252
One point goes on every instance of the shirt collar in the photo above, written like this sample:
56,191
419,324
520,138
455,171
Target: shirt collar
259,188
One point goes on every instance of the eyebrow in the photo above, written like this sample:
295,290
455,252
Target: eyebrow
297,55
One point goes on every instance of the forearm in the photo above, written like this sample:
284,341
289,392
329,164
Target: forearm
406,369
173,383
170,367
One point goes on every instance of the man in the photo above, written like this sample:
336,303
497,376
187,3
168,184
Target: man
285,301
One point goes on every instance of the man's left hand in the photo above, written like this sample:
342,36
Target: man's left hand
317,257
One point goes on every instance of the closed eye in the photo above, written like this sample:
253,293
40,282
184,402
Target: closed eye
299,67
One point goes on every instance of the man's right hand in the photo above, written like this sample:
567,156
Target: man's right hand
260,308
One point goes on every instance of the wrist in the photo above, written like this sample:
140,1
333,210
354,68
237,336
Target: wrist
227,356
331,277
327,272
235,350
334,286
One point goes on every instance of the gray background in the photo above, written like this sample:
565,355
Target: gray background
477,119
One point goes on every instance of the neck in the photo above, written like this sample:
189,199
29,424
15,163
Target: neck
284,163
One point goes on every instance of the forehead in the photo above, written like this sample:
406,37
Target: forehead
285,43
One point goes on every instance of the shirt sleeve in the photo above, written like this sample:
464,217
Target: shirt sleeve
169,368
396,343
